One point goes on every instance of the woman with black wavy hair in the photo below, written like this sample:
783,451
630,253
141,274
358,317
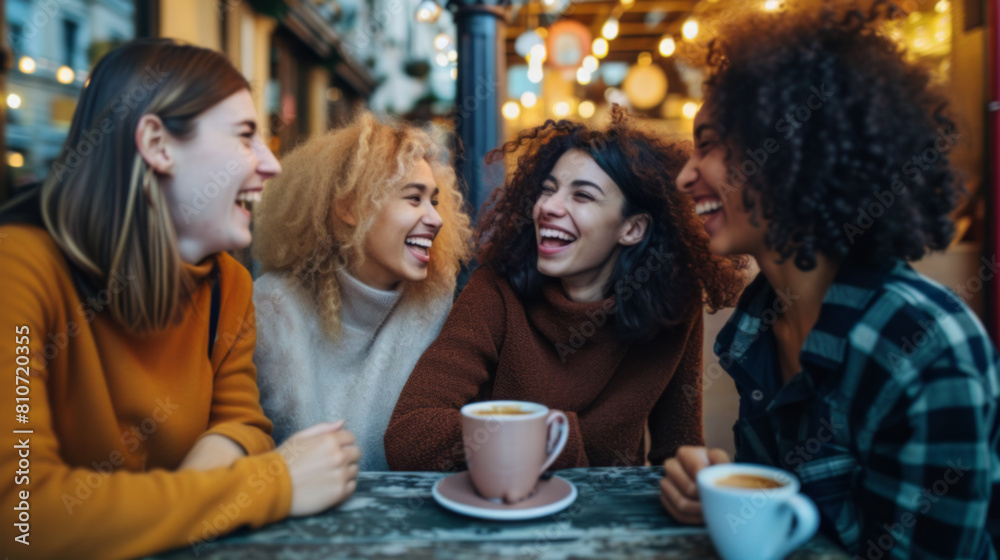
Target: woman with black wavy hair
589,300
824,155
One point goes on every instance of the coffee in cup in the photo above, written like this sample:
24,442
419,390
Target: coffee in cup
755,512
748,481
509,444
501,410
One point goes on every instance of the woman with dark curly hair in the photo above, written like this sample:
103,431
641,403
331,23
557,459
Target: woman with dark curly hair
589,300
824,155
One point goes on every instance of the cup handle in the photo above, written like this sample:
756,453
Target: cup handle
806,522
557,425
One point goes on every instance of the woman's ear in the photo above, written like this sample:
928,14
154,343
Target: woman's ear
153,142
634,229
340,209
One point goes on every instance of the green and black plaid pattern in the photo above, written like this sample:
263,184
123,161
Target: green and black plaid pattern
892,424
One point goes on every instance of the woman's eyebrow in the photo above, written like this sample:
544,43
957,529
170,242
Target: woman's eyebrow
422,188
251,123
585,183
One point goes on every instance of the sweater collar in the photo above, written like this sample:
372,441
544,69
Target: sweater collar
564,321
362,306
200,271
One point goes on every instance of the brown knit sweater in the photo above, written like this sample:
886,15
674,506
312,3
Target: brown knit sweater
493,347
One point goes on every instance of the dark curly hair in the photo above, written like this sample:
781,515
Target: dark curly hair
854,140
644,168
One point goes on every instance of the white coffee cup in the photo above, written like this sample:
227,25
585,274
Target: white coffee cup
755,523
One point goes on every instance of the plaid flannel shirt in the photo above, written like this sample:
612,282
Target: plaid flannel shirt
891,425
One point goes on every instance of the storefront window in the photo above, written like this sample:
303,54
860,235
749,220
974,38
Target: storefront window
55,45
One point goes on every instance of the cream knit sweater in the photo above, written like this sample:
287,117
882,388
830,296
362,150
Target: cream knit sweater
306,378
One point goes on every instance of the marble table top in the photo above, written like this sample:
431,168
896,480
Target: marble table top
393,515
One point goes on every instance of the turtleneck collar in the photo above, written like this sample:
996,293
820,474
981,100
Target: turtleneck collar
561,320
200,271
363,307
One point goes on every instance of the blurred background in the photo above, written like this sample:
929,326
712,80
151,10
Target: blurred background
479,71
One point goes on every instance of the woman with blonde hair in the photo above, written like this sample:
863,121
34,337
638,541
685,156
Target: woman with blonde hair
135,384
361,240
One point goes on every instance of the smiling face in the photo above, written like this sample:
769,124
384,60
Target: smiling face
397,247
215,177
579,228
718,197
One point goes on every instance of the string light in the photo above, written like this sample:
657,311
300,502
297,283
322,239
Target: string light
690,29
667,46
528,99
27,65
537,53
600,47
610,29
428,11
590,63
586,109
690,109
65,75
442,41
535,73
13,101
511,110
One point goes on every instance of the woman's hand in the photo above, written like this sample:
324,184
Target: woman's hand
679,489
211,452
323,465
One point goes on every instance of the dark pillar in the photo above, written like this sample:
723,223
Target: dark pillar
6,62
147,18
482,84
992,160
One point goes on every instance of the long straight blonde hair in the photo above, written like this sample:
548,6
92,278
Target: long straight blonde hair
101,202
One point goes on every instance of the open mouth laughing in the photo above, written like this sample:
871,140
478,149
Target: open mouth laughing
248,198
707,206
553,240
419,246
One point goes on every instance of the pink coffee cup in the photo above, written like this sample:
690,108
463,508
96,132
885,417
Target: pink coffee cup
509,444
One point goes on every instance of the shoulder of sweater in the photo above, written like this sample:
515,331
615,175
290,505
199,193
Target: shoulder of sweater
281,304
31,255
432,310
484,282
278,288
29,242
235,282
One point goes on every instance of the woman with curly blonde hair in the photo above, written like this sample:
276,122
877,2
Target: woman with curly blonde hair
361,240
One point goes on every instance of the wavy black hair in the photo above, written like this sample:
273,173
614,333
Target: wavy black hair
843,143
645,168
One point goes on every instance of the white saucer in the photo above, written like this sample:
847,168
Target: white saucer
456,493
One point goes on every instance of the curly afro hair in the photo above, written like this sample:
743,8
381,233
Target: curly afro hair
842,142
644,167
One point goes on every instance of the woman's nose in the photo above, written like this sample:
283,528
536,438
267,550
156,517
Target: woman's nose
687,177
433,219
552,205
267,164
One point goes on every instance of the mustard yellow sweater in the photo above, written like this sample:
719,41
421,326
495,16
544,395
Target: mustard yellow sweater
113,414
